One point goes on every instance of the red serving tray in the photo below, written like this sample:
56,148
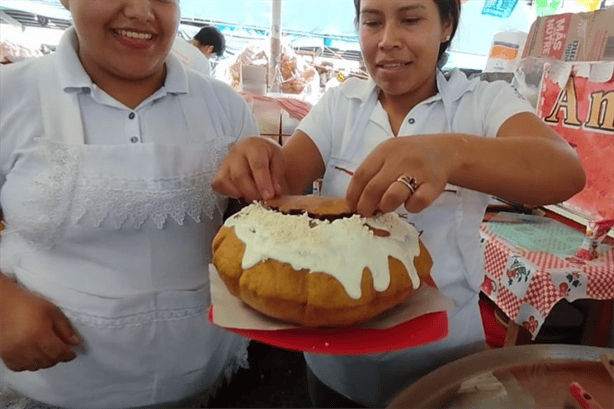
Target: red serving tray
422,330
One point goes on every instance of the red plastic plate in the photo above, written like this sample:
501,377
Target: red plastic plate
423,330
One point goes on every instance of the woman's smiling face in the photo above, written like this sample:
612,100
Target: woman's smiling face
400,42
127,39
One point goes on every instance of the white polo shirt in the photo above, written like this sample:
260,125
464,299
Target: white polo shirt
345,132
110,215
476,107
191,56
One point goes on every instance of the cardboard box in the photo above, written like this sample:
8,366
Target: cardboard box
573,37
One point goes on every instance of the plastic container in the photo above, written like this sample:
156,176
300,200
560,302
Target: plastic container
505,51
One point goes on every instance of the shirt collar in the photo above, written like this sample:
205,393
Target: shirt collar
453,85
450,87
176,81
74,78
357,88
72,75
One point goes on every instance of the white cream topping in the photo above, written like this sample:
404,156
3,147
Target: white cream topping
342,248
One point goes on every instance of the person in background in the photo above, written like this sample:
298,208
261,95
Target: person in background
208,41
109,147
430,145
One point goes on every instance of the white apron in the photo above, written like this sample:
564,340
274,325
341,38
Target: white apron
119,238
373,380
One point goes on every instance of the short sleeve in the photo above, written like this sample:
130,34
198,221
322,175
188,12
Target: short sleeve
240,116
319,124
20,112
500,101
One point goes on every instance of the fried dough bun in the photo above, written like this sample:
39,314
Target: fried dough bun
308,260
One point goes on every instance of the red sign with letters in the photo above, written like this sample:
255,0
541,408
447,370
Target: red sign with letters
582,111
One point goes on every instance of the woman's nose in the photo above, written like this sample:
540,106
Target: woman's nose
139,9
391,37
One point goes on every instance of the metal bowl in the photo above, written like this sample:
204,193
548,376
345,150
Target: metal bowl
527,376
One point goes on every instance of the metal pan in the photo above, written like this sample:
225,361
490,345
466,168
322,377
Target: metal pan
526,376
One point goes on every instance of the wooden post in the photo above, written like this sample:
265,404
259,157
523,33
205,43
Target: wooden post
275,58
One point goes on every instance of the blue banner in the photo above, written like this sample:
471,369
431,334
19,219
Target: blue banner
499,8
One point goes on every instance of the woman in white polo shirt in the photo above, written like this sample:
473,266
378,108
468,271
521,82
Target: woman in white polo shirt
109,147
430,145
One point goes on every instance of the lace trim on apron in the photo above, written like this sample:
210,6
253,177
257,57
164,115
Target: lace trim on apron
60,195
133,201
135,320
51,193
138,200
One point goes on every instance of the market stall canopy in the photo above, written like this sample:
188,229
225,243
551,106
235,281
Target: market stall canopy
30,28
34,13
329,24
317,17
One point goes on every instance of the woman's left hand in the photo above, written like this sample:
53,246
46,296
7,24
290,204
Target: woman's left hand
375,185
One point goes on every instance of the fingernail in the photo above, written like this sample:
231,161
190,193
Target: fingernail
267,194
278,188
75,339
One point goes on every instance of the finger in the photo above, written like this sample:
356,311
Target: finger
15,363
42,362
361,178
278,174
372,195
56,350
32,360
241,178
394,197
260,167
63,329
221,183
422,198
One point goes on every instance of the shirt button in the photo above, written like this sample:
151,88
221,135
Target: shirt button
132,115
411,120
134,139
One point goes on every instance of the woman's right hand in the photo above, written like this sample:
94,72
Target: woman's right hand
34,333
254,169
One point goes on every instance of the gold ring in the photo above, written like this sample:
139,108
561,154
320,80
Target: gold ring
410,182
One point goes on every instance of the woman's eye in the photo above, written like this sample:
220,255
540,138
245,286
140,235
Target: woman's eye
370,23
410,21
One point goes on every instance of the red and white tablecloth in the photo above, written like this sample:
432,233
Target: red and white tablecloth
526,284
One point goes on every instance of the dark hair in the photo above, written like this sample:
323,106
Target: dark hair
210,35
448,10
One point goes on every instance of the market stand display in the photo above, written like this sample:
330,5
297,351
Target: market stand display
533,263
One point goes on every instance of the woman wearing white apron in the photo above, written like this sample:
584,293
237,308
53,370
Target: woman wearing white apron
432,147
105,192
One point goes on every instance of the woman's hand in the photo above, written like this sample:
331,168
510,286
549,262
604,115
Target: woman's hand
34,333
374,186
527,162
253,170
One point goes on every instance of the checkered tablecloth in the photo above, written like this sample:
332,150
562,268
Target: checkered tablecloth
526,284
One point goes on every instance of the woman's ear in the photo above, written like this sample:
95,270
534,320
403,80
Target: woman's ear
446,30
